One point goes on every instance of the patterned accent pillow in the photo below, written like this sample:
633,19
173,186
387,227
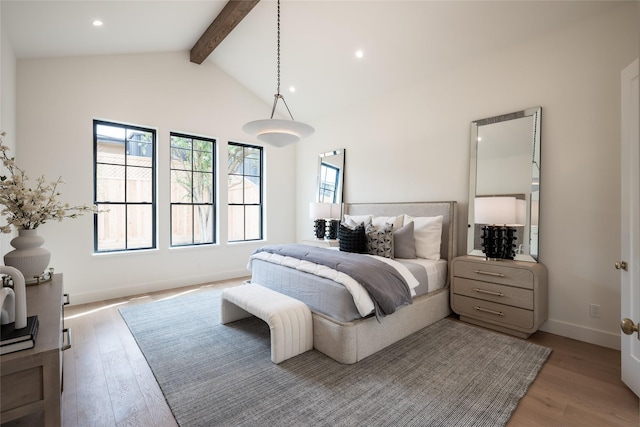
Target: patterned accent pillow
380,240
352,238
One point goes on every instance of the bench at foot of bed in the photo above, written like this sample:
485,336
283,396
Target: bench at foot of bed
289,319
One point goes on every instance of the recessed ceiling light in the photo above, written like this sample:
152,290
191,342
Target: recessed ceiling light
292,89
359,53
97,23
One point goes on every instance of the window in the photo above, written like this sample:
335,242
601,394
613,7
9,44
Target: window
192,179
245,192
124,187
328,183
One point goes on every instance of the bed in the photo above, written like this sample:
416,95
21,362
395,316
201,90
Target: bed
341,329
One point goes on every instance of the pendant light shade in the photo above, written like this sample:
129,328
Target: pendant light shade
278,132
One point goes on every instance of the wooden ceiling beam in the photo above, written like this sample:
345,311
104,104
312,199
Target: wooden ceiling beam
230,16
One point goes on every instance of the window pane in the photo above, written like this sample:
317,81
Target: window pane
202,186
110,183
236,159
236,223
180,186
203,145
110,229
110,144
252,222
203,161
203,227
181,225
139,185
252,162
236,191
181,158
139,226
252,190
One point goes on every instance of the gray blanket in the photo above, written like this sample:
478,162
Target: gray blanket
386,286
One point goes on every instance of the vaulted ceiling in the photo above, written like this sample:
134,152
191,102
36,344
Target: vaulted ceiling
402,41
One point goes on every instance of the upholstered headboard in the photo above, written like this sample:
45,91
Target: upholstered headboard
448,248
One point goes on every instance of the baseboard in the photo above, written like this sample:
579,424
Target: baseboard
143,288
581,333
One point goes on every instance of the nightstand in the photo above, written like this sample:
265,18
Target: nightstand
504,295
324,243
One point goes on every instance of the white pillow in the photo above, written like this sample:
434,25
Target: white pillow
365,219
427,232
395,221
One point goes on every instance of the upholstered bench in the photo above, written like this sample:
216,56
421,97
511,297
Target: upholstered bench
289,319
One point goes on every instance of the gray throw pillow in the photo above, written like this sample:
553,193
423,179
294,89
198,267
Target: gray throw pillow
404,244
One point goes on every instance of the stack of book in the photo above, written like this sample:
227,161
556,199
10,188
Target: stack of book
12,339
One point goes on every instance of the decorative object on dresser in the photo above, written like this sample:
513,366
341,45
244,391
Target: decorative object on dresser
325,222
14,300
12,339
508,296
26,208
501,216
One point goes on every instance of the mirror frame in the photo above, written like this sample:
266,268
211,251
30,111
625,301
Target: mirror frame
532,209
340,155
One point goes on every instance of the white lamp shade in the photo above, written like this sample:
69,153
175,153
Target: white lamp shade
277,132
319,210
495,210
336,210
521,212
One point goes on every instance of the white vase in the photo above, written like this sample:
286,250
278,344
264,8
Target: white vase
28,256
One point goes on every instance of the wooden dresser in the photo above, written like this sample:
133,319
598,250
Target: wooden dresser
32,379
504,295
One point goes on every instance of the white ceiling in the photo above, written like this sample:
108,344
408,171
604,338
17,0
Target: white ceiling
403,41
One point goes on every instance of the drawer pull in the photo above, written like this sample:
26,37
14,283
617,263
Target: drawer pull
66,332
486,310
484,291
66,300
488,273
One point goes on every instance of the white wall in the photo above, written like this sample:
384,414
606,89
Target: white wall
413,145
7,104
57,101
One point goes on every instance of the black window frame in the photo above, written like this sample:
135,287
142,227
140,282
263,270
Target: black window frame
192,203
105,205
261,191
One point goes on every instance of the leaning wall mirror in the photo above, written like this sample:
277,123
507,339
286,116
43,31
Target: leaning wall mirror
330,176
504,181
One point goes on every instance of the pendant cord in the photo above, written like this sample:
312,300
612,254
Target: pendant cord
277,95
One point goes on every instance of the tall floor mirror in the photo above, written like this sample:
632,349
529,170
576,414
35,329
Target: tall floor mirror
505,177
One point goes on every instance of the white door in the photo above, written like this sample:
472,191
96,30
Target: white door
629,266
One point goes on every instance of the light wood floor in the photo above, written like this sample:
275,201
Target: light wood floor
107,381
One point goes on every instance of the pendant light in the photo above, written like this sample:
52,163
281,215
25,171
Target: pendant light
278,132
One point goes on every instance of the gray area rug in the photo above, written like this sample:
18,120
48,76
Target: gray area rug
448,374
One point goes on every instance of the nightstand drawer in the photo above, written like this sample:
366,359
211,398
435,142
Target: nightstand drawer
492,312
517,297
496,272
